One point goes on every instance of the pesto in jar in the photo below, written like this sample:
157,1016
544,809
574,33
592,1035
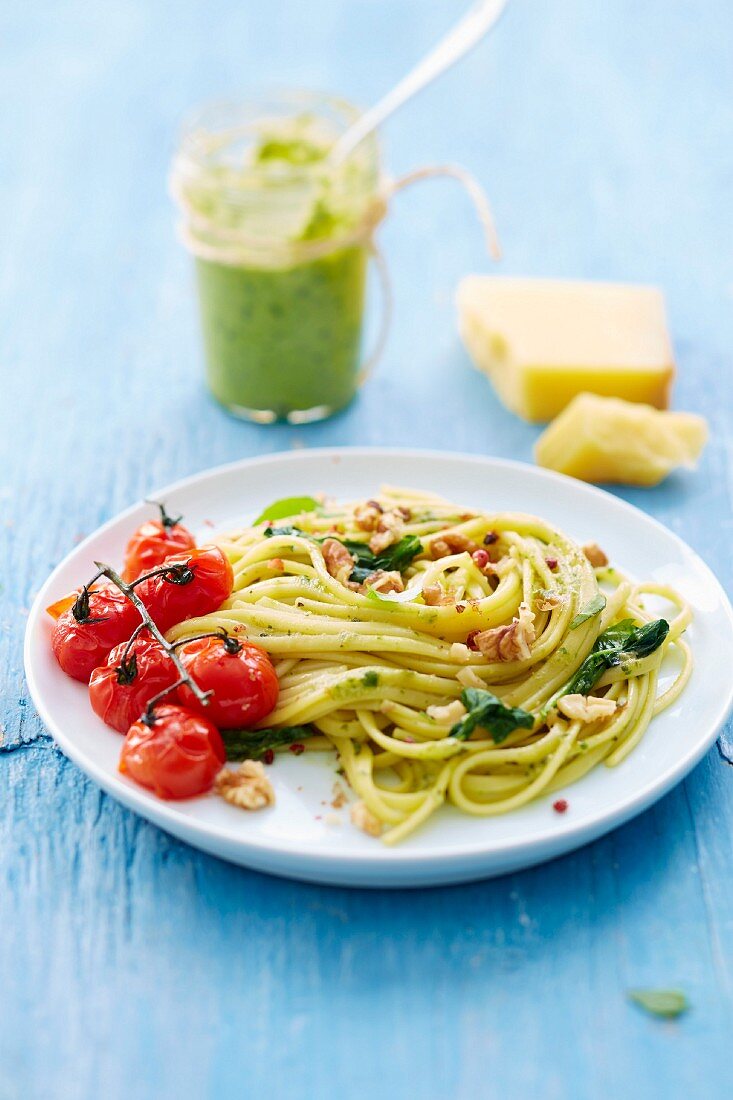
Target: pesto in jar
281,269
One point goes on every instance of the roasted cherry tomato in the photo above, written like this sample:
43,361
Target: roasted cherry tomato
100,618
153,542
240,676
194,584
122,687
173,752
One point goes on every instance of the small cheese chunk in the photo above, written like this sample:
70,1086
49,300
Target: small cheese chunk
605,439
542,341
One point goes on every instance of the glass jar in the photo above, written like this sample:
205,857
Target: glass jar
282,242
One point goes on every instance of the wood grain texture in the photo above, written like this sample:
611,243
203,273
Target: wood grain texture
131,965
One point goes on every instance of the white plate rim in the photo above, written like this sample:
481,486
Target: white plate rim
566,837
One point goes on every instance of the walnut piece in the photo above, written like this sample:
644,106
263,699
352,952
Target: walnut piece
364,819
545,600
451,542
586,708
447,715
434,596
340,797
390,528
339,562
385,580
368,515
595,555
246,786
511,642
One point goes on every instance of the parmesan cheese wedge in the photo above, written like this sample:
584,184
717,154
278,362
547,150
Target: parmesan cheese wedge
605,439
542,341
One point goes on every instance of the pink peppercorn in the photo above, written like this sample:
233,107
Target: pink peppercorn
551,563
481,558
560,806
296,748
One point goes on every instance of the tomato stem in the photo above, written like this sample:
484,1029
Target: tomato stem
149,716
166,520
231,644
181,573
129,590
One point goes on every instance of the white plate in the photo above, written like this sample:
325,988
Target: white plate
293,838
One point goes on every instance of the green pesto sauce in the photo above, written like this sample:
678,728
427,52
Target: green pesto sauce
283,339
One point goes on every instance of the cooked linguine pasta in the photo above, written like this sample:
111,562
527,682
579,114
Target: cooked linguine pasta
447,654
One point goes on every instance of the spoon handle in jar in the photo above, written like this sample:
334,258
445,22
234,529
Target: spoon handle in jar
466,34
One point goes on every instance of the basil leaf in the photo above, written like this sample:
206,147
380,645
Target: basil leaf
254,744
594,607
269,532
642,641
288,506
667,1003
615,646
488,712
396,557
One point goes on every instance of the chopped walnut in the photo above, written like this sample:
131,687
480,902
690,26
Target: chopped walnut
385,580
545,600
368,515
447,715
246,786
390,528
434,596
451,542
469,678
508,643
339,796
595,555
364,819
339,562
586,708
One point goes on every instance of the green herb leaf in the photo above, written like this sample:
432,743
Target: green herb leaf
370,679
593,607
398,556
254,744
615,646
270,532
489,713
667,1003
288,506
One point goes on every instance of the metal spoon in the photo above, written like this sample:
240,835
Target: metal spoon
466,34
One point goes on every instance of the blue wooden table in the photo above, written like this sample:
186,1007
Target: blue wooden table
131,965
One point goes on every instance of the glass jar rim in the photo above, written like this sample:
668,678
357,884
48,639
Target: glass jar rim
217,189
244,115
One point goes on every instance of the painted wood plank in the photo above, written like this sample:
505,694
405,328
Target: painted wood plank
131,965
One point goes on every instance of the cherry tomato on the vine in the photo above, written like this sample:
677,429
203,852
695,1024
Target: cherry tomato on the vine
122,687
240,676
100,618
173,752
153,542
190,585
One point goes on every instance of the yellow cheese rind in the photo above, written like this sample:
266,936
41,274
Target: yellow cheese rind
604,439
543,341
